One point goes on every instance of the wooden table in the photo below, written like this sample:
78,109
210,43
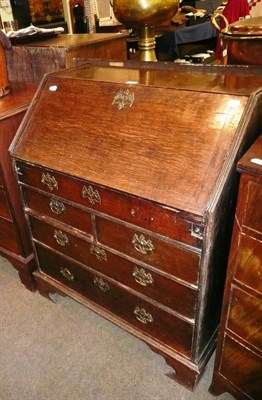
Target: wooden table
28,62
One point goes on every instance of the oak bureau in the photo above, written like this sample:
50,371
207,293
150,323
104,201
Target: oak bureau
127,173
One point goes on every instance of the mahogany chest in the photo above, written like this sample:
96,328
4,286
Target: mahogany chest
238,365
15,242
127,173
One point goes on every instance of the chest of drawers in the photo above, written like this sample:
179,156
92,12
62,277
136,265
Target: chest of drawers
15,243
28,62
238,366
127,173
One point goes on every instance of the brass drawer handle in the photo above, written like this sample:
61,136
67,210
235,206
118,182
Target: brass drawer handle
92,195
98,252
67,274
142,245
49,181
142,277
61,238
57,207
101,284
143,316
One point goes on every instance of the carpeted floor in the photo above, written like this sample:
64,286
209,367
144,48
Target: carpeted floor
63,351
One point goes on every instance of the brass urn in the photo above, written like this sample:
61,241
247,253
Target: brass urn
145,15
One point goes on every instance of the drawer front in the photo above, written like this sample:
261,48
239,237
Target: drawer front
149,283
8,237
252,217
60,240
245,317
140,314
242,367
4,209
130,209
58,209
167,257
249,262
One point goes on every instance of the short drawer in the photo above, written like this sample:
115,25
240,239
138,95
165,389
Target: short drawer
4,209
141,212
8,237
140,314
248,262
245,317
242,367
60,240
165,256
170,293
58,209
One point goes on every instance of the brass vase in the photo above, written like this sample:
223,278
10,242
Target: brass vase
144,15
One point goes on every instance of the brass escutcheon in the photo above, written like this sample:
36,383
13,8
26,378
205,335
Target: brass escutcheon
92,195
123,98
61,238
143,316
98,252
143,278
49,181
101,284
142,245
57,207
67,274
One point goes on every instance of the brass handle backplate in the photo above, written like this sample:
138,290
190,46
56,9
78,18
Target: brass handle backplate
123,98
143,316
49,181
98,252
142,245
92,195
142,277
67,274
61,238
57,207
101,284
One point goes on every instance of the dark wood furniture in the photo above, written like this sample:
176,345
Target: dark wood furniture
238,365
28,62
128,180
15,243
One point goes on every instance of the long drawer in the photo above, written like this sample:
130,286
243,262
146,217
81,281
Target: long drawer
160,219
242,367
245,317
139,313
248,262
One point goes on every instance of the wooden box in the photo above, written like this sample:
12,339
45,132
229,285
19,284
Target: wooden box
29,61
128,179
238,365
15,243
